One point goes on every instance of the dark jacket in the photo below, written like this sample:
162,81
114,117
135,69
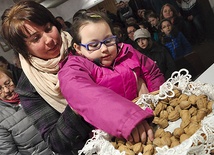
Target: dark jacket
18,134
163,59
65,133
16,72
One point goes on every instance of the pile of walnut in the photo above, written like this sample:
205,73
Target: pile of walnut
190,109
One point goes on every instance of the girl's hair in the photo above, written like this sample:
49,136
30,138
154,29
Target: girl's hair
151,15
175,12
13,23
174,32
84,19
163,20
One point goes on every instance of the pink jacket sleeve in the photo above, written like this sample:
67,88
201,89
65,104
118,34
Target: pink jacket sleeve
99,106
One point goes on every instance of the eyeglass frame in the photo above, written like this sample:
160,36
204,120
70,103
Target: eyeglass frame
6,86
100,43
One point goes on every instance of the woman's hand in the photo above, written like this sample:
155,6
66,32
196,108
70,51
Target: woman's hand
140,133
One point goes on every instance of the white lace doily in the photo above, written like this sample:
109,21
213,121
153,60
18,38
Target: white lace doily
196,144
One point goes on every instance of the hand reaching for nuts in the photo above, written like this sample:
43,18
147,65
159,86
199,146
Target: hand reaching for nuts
140,133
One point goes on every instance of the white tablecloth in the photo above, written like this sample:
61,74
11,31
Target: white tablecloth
207,76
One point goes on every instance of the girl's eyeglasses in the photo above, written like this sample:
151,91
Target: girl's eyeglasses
93,46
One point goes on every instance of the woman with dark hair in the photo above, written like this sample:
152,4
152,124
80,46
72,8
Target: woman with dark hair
37,36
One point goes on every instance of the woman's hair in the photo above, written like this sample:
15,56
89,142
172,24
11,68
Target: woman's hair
3,60
13,23
6,72
84,19
175,12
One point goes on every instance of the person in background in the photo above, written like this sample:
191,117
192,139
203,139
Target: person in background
63,24
119,32
112,17
115,73
191,11
174,40
124,11
68,25
17,132
16,71
33,32
169,12
158,4
155,51
153,19
130,29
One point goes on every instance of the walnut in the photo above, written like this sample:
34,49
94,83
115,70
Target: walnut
209,107
201,114
183,97
160,106
166,141
169,109
159,132
148,148
163,123
184,137
201,103
174,143
185,105
157,142
164,114
177,93
174,116
178,132
192,128
137,148
192,99
174,102
193,111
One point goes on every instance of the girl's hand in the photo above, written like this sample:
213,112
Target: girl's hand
140,133
142,88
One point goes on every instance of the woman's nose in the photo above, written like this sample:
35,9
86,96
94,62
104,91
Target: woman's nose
6,89
49,41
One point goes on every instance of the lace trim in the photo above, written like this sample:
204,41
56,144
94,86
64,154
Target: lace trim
199,143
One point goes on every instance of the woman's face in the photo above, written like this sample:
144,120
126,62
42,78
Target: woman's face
130,31
43,41
166,27
6,87
153,21
167,12
94,33
143,42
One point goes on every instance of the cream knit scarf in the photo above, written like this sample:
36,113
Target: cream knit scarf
43,75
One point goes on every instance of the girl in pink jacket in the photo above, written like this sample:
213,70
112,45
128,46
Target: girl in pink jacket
102,79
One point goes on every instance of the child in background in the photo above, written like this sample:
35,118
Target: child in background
103,79
174,40
168,11
153,20
155,51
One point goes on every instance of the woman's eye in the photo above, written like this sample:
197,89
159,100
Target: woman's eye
48,28
35,38
7,82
